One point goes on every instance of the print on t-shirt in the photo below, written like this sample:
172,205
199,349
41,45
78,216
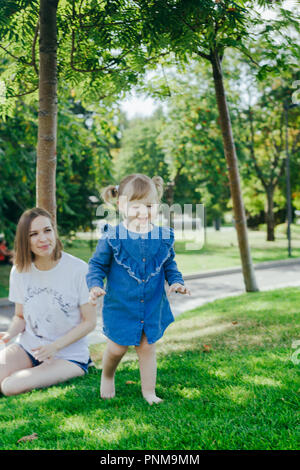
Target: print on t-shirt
45,309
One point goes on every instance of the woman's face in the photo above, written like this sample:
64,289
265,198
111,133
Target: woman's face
42,237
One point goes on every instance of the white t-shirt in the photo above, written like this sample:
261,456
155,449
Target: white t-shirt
51,304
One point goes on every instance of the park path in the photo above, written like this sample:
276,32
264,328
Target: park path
209,286
205,287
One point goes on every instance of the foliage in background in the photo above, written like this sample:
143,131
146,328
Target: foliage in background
102,49
84,163
262,133
17,167
193,148
140,150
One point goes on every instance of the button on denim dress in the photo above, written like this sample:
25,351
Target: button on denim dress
136,267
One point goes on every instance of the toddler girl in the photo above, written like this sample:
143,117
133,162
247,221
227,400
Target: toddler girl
136,257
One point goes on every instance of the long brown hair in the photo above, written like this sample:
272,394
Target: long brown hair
23,255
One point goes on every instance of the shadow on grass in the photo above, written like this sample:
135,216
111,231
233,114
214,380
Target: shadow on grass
209,403
240,395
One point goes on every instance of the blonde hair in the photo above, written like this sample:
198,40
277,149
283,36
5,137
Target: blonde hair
135,186
23,255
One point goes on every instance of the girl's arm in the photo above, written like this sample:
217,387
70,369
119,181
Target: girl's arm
99,264
172,274
88,323
17,325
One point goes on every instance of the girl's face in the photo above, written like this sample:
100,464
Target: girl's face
141,211
42,237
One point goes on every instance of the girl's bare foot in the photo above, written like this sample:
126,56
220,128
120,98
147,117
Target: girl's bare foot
152,398
107,387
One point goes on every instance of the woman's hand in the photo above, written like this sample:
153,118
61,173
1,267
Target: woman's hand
45,352
95,292
4,336
179,288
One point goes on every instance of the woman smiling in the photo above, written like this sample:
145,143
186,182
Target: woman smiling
52,313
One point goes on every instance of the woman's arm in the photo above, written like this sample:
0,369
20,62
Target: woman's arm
88,323
17,325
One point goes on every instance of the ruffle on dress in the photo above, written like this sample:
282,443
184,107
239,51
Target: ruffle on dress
132,266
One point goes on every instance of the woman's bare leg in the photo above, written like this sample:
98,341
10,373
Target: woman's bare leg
147,359
44,375
12,359
111,358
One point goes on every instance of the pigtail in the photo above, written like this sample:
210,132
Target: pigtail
109,194
159,184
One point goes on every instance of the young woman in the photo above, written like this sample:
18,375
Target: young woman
52,313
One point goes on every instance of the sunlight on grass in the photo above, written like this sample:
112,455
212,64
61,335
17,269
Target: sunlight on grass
259,380
113,433
238,394
190,392
209,330
72,423
220,373
241,393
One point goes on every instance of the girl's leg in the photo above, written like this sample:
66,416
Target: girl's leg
147,360
44,375
111,358
12,359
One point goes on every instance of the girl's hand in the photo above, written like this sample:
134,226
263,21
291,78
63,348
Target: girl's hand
179,288
45,352
95,292
4,336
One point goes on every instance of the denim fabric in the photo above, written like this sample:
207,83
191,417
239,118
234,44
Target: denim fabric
36,363
136,267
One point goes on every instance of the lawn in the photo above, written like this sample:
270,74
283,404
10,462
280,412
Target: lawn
227,373
219,251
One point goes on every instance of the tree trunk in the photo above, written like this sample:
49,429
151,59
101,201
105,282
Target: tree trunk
217,223
234,178
47,116
270,219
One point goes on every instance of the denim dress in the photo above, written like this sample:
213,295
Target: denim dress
136,267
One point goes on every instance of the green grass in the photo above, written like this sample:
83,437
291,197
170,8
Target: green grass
242,394
221,250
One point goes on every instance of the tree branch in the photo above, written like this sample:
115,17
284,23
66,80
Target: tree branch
282,169
19,59
248,55
25,93
204,56
252,152
33,56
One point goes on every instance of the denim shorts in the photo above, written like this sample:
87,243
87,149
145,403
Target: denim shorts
35,362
